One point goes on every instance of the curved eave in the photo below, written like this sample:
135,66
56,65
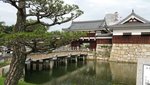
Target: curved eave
136,26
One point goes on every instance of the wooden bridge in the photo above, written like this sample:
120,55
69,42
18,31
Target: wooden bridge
39,56
47,61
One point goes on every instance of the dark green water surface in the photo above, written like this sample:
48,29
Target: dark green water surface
89,73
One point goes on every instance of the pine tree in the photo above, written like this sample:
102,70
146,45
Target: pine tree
56,11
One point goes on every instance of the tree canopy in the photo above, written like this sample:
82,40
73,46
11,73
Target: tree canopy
25,34
54,10
37,38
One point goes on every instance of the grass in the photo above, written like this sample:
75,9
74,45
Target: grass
20,82
4,63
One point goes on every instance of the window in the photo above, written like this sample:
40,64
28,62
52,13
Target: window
127,34
145,33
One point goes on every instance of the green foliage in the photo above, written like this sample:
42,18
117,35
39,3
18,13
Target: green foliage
4,28
36,27
4,63
33,33
20,82
56,10
8,29
57,39
36,34
104,46
49,39
1,26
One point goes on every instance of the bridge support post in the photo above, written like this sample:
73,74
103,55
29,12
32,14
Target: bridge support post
51,64
76,59
84,58
40,65
28,65
66,61
46,64
34,66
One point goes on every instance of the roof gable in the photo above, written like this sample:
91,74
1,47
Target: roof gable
133,18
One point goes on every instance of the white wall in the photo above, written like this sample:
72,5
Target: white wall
133,31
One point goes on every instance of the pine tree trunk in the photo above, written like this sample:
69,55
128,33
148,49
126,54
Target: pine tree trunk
18,60
17,65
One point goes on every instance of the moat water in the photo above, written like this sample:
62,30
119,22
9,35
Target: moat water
86,73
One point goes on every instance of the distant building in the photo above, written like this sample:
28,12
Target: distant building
126,40
93,28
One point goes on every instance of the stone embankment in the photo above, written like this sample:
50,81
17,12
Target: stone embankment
122,52
129,52
103,51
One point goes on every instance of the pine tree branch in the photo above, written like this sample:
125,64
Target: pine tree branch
14,3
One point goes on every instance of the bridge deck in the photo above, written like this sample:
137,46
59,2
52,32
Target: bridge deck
54,54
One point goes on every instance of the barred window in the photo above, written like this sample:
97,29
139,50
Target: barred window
145,33
127,34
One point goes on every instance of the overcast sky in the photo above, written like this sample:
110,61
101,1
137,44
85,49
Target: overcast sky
93,10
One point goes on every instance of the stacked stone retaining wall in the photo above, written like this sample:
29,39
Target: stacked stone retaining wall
103,50
129,52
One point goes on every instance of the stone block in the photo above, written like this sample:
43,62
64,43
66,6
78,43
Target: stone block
147,53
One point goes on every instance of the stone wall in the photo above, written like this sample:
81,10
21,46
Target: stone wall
103,50
129,52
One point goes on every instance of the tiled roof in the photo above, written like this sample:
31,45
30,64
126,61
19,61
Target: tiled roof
135,15
101,24
122,24
86,25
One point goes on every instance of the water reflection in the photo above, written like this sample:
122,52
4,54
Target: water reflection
90,73
124,74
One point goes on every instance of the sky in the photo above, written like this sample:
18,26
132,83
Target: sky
93,10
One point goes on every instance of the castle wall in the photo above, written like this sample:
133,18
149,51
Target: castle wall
130,48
